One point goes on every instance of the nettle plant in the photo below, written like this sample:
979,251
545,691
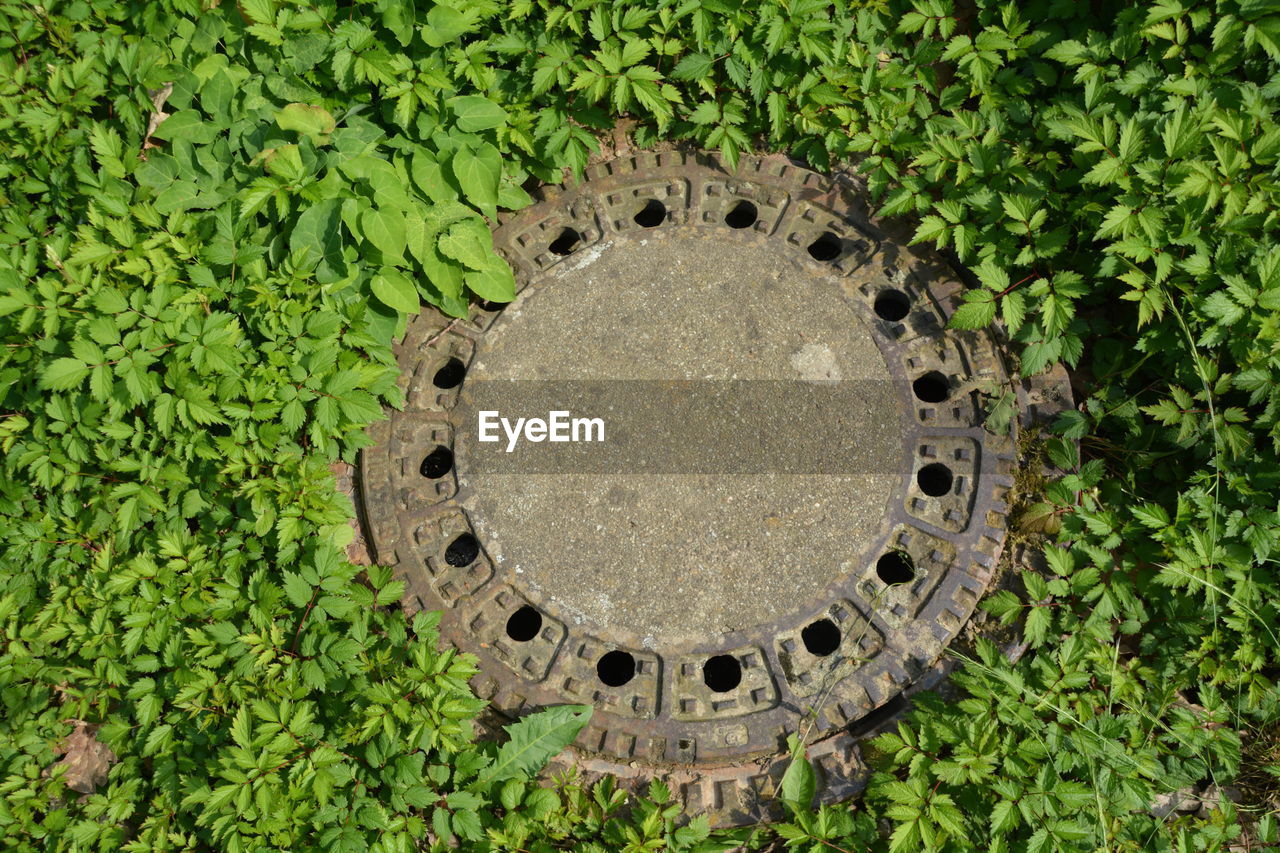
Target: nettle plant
214,221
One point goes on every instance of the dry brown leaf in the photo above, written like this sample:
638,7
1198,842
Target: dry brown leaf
87,761
158,97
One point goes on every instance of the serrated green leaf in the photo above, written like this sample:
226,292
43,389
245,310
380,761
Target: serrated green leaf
976,314
534,740
64,374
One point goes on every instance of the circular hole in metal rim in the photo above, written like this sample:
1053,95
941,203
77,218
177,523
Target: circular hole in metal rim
616,668
895,567
935,479
743,215
827,247
462,551
450,375
722,673
892,305
524,624
932,387
437,463
821,637
653,214
566,243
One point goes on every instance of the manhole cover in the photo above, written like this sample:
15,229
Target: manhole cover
790,509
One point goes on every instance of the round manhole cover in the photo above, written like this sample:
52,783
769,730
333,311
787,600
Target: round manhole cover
719,471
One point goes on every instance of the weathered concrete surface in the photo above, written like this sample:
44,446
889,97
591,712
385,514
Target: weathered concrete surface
675,558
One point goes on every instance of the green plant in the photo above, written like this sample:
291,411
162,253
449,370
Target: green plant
213,221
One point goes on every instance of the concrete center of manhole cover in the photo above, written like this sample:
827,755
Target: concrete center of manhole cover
787,510
686,524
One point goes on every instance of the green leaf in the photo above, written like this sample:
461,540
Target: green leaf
64,374
445,25
157,171
534,741
1151,515
318,231
993,276
387,185
493,282
241,728
707,112
429,176
186,125
297,589
1037,627
469,242
512,792
259,11
1004,605
466,824
216,96
976,314
385,228
799,783
476,113
478,173
315,122
692,66
933,228
394,289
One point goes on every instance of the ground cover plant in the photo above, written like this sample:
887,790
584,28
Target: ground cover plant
214,218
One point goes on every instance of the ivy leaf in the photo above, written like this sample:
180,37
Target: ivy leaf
445,25
493,281
157,171
216,96
478,173
186,125
394,289
385,228
317,231
444,283
469,242
429,176
315,122
476,113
